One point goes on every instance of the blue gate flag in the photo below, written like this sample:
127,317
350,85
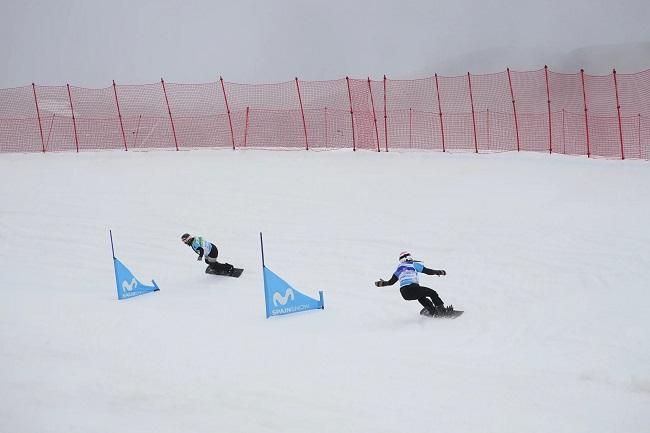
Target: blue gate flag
281,298
127,285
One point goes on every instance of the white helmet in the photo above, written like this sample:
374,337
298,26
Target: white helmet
405,256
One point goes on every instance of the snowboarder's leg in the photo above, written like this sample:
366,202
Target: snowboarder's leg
414,291
426,303
427,297
221,268
440,309
211,259
433,295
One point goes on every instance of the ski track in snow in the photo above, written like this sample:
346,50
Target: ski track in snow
548,255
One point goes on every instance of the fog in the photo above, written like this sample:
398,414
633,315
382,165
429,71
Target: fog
90,43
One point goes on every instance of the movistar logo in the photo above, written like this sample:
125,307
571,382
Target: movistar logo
282,300
132,285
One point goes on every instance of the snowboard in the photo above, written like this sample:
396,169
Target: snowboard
235,273
448,315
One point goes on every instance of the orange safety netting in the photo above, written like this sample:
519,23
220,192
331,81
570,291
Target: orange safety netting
541,111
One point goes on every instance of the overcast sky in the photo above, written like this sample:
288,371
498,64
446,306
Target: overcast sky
89,43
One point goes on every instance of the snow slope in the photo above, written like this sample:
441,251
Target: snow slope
548,255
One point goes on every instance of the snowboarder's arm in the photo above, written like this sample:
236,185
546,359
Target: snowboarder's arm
428,271
390,282
200,251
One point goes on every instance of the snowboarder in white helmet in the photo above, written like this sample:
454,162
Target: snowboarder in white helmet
208,251
407,275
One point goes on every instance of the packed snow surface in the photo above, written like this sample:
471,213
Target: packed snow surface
548,255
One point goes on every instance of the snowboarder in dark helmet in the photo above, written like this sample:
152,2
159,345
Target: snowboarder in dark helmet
407,275
208,251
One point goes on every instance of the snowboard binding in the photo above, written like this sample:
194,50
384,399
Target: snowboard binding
226,270
441,312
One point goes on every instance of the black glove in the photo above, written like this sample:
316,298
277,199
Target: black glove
379,283
442,272
199,259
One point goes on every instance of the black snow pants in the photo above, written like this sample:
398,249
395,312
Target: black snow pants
422,294
211,260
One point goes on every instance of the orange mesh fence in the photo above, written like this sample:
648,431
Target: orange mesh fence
199,115
540,111
328,121
96,119
19,126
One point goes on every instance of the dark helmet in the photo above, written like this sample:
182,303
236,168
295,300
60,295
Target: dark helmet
405,256
186,238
